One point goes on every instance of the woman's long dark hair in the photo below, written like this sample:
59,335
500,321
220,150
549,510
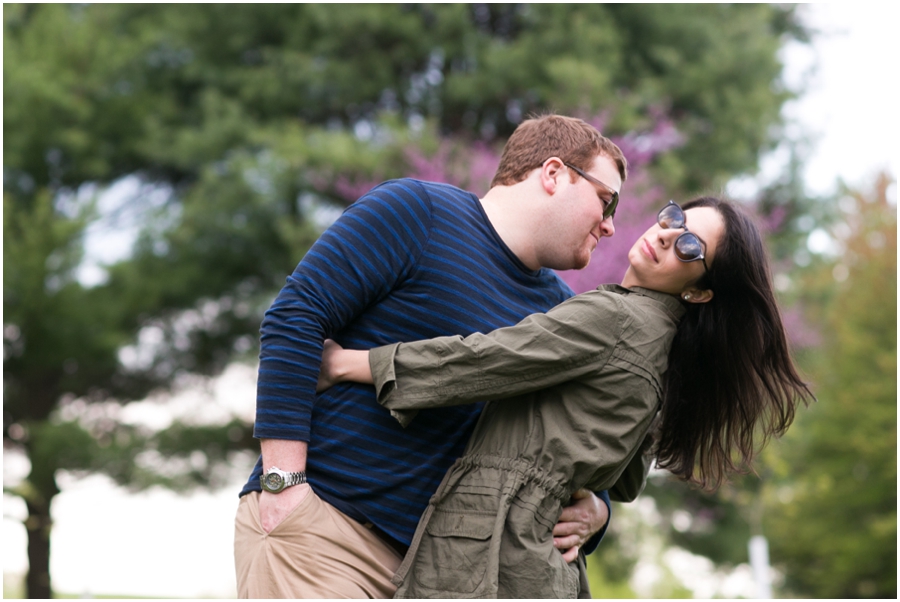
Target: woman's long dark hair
731,382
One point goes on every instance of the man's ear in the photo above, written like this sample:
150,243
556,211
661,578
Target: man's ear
551,171
696,295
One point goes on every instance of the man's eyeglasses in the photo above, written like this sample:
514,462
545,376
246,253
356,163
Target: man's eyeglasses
610,209
688,246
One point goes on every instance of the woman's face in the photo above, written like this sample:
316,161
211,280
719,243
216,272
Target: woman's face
652,259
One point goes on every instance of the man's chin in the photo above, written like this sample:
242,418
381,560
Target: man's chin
577,262
582,262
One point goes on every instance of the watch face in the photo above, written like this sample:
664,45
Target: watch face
274,481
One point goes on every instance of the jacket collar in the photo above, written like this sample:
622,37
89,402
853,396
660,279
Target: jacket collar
670,302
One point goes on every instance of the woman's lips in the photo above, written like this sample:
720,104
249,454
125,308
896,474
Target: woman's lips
649,251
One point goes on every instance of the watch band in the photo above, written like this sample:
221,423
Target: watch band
294,478
276,480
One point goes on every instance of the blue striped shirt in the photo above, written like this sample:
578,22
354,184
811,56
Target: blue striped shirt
410,260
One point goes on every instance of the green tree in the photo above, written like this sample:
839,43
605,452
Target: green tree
251,119
163,90
62,343
831,514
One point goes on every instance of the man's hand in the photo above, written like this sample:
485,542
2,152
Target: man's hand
579,521
291,457
274,507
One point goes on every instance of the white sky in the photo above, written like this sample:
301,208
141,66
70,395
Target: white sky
849,111
160,544
851,107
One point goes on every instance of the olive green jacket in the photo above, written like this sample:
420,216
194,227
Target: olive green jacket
581,385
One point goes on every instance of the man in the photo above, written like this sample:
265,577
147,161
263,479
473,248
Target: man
336,496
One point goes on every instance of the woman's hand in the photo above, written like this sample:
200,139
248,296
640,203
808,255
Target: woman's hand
328,373
340,365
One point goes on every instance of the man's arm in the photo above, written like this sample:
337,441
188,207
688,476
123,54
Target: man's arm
289,456
358,260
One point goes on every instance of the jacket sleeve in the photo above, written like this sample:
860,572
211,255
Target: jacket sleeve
373,246
573,339
634,478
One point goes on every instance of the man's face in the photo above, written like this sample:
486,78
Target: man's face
577,224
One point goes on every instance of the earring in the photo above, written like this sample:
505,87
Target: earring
687,297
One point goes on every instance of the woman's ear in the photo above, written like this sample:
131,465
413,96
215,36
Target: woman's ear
696,295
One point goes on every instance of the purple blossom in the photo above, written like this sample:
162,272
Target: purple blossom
471,165
468,166
640,201
636,212
774,221
800,332
352,189
641,147
431,169
598,120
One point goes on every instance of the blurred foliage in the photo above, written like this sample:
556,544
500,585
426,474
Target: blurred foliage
636,541
831,512
164,90
180,457
715,526
610,566
253,122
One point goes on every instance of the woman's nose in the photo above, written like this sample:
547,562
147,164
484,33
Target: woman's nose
667,236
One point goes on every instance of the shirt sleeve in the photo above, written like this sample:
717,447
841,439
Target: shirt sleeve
573,339
372,247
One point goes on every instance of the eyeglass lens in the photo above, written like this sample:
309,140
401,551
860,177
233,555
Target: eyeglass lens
671,216
687,246
610,210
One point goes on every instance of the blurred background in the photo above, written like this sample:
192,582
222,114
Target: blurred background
166,166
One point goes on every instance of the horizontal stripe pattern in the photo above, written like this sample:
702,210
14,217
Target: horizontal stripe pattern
409,260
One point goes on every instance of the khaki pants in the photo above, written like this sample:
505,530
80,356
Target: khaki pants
316,552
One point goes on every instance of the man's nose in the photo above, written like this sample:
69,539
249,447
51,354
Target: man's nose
607,228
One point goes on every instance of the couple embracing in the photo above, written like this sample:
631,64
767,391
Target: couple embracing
482,462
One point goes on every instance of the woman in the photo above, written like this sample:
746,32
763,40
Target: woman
693,334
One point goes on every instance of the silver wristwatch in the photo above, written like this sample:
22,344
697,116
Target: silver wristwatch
276,480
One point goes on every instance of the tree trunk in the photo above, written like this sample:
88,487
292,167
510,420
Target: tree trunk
38,525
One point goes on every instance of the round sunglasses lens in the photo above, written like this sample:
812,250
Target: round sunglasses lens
687,247
671,216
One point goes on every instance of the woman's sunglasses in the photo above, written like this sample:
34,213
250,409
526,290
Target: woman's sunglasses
688,246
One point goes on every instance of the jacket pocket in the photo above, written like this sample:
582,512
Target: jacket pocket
453,555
